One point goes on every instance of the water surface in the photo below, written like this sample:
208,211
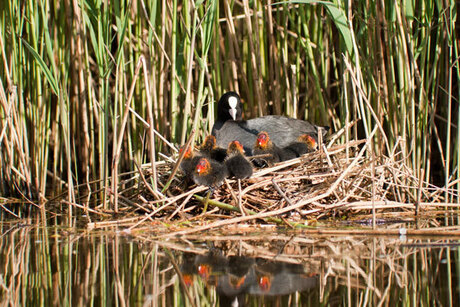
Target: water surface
44,266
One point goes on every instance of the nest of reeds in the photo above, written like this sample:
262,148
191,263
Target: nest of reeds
338,180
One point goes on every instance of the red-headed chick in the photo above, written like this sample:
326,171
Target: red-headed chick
237,164
209,149
305,143
264,145
189,161
210,173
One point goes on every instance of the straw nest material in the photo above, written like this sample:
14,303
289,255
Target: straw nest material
338,180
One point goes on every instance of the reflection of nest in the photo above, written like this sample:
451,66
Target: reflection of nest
359,264
337,179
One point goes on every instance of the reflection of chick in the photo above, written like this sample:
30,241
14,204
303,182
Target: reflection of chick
265,283
188,279
204,270
239,275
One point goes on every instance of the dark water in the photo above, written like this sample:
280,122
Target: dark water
58,266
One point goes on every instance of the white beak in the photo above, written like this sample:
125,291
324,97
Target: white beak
232,113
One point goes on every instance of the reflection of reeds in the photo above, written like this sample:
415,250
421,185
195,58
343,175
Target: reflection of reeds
67,71
56,267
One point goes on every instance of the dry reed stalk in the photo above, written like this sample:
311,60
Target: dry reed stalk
151,127
9,211
234,49
148,187
181,206
118,222
119,141
85,208
362,96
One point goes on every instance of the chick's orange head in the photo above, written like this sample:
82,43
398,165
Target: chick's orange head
188,152
263,139
311,141
308,139
203,166
209,142
235,146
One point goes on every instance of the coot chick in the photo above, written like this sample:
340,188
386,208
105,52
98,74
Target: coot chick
305,143
237,164
189,162
209,149
209,172
283,130
264,145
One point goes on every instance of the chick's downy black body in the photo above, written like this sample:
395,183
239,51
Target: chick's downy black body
209,172
304,144
237,164
189,162
265,146
209,149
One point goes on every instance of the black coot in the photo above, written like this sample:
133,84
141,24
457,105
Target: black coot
283,131
228,108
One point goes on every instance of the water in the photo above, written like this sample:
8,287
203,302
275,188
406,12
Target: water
45,266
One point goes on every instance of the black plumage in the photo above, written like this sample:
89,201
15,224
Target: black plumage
237,164
209,149
283,131
209,173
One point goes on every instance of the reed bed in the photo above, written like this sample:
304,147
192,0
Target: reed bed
90,90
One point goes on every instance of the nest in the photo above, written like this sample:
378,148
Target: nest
339,180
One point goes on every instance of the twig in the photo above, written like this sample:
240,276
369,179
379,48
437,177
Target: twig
278,189
179,160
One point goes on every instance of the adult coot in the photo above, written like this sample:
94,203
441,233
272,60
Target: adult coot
283,131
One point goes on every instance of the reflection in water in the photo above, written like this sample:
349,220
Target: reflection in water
55,266
235,276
